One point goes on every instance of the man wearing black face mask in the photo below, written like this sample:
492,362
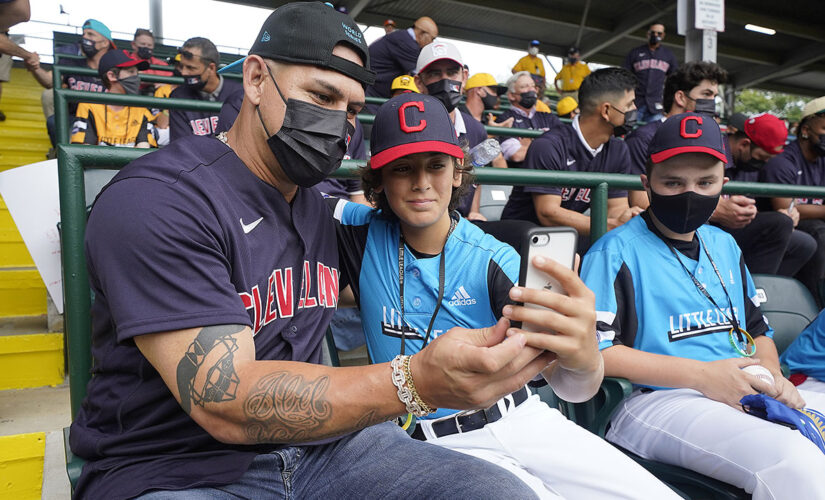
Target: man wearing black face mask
216,274
571,75
651,63
482,93
199,68
440,73
587,145
678,316
523,96
109,125
803,162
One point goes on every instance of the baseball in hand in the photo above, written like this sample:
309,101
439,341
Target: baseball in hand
759,372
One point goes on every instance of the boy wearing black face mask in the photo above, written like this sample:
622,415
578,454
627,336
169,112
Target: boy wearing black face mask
803,162
199,68
524,112
677,315
109,125
587,145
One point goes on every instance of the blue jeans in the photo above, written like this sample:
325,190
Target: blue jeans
379,462
646,115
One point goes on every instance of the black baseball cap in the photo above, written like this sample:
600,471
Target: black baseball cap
412,123
572,50
119,59
306,33
687,133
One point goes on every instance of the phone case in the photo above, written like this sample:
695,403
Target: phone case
557,243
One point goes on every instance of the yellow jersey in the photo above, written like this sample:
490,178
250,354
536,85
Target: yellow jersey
571,76
99,124
531,64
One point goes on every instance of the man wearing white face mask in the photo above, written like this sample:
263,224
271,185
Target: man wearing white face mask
533,65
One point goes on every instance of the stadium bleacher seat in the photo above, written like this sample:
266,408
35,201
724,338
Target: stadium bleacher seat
493,199
787,304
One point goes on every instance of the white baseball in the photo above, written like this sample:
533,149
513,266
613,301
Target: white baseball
759,372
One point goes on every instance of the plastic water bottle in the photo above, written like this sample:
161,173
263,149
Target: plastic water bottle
485,152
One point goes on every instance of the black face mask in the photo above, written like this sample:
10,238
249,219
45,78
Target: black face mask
312,140
654,39
489,101
630,118
705,106
194,82
683,212
144,53
527,99
130,84
447,91
572,60
88,47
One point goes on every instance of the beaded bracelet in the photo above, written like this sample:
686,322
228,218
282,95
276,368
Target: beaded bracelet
402,380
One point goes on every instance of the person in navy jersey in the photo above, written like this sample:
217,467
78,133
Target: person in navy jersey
521,91
215,271
201,81
397,53
651,63
418,268
803,162
586,145
678,315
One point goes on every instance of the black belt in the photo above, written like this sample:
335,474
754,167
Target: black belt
466,422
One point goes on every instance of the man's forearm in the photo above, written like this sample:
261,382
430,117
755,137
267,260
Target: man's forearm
811,211
12,49
291,402
43,77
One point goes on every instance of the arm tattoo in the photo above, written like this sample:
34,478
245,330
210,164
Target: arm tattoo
284,407
206,373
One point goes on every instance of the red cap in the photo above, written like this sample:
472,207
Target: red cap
767,131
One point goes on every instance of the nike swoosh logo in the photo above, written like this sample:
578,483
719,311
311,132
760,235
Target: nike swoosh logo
249,227
570,162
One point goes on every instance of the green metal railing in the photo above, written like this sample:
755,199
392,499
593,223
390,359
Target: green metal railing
73,159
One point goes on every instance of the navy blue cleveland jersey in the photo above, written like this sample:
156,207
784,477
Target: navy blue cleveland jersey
791,167
183,238
646,300
183,123
651,67
392,55
563,149
807,353
480,271
637,143
88,83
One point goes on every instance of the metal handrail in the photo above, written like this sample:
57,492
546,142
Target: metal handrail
73,159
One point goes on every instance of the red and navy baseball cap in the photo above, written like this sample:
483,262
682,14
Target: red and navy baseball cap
306,33
687,133
119,59
767,131
412,123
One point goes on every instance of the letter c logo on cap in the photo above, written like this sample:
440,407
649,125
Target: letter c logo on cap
402,119
683,129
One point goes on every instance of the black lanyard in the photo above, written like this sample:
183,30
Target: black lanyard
441,272
732,319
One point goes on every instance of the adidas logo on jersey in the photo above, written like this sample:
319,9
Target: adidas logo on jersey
461,298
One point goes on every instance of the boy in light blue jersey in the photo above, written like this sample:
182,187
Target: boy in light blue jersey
417,269
805,357
676,309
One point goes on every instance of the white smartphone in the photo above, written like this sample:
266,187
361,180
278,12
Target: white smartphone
557,243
